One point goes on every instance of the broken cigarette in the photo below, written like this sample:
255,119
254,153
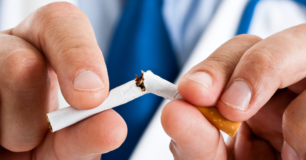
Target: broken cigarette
146,83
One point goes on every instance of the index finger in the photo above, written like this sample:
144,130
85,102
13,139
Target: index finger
64,35
273,63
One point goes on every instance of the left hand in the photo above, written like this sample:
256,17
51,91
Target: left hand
261,82
54,46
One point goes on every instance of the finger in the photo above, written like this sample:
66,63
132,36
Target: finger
193,137
25,94
276,62
8,155
87,139
298,87
267,122
203,84
266,126
230,147
294,129
64,34
248,146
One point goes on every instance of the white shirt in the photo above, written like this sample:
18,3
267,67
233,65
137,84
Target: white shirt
203,33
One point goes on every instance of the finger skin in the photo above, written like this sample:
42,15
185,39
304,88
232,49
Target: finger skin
193,137
25,94
220,66
267,122
248,146
63,33
230,147
87,139
294,128
298,87
261,137
273,63
8,155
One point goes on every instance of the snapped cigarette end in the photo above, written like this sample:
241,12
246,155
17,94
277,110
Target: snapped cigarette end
214,117
50,127
139,81
148,83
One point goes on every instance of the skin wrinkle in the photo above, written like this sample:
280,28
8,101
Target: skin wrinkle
221,141
63,37
299,30
196,82
33,87
64,56
31,30
44,21
270,137
263,61
262,90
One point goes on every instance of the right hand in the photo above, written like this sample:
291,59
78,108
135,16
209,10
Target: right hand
54,46
260,82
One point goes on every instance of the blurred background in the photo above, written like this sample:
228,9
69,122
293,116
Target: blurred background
195,29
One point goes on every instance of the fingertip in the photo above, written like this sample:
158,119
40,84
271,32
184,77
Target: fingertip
105,131
198,88
87,89
232,114
98,134
179,116
190,132
173,117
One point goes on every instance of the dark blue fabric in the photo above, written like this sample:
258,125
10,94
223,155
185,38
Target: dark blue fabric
303,2
247,17
140,43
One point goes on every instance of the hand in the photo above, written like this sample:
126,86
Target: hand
261,82
57,40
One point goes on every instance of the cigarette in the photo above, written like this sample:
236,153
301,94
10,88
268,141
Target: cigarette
146,83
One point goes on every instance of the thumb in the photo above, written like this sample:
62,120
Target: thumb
193,136
294,129
64,35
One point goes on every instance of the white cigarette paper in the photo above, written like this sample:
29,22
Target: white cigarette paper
160,87
127,92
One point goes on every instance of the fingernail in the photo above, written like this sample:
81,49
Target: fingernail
288,152
201,78
87,81
175,148
237,96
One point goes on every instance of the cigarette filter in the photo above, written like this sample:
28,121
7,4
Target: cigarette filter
214,117
146,83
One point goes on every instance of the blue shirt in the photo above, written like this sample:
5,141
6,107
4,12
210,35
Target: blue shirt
185,21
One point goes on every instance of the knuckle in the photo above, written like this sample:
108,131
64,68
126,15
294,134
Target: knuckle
228,59
71,53
22,68
263,61
224,64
